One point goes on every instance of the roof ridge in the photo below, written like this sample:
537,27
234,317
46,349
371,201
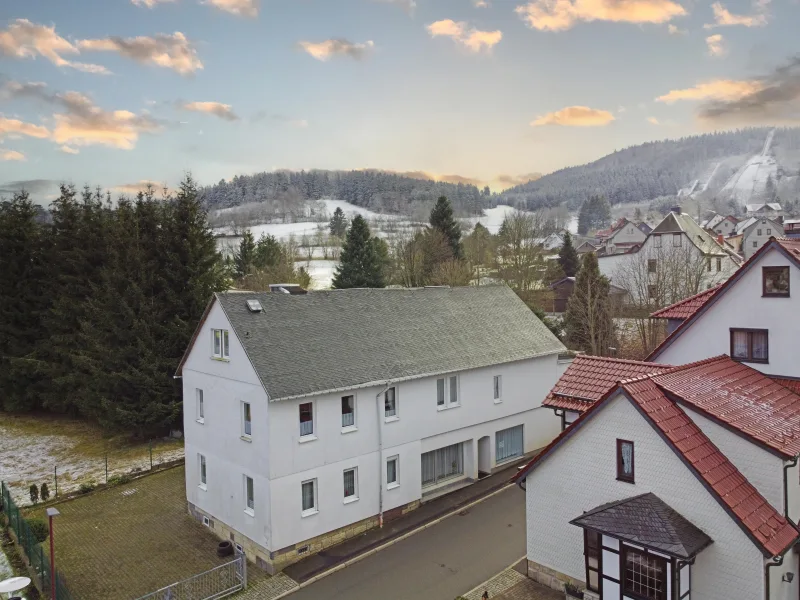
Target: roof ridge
626,361
685,300
697,363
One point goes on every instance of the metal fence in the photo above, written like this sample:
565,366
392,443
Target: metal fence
219,582
38,560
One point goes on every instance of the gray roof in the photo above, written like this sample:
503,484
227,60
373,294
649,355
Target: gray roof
648,521
341,339
683,223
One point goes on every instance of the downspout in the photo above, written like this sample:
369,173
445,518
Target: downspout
789,464
777,561
380,452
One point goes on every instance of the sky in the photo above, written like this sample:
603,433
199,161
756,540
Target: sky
119,92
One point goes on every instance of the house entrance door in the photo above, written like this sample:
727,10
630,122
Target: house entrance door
484,456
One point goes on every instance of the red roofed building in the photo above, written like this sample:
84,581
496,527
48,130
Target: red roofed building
680,311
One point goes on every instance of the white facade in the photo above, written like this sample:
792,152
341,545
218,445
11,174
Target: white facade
628,234
743,305
581,474
757,234
279,460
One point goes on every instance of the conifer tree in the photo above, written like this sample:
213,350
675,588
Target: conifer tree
442,220
361,264
244,257
588,321
268,252
584,219
568,256
338,223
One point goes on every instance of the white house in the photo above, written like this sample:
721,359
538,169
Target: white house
720,225
681,482
311,418
758,233
753,316
625,236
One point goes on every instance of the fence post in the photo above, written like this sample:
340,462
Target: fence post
150,447
55,478
244,571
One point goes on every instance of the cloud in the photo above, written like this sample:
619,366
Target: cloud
24,39
10,127
653,121
150,3
241,8
718,89
675,30
575,116
140,186
69,150
481,3
716,45
473,39
218,109
773,99
169,51
507,181
406,5
460,179
558,15
337,47
11,155
724,18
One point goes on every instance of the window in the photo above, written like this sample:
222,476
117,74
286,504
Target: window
202,466
447,388
508,444
775,282
453,390
652,265
392,472
651,292
676,240
769,231
247,425
220,343
755,244
201,415
249,494
442,464
348,411
645,574
625,461
708,264
390,403
750,345
719,265
498,387
309,497
440,385
351,485
591,552
306,419
657,241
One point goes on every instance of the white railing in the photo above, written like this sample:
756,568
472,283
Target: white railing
219,582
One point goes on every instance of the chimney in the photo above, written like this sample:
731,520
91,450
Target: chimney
720,240
676,209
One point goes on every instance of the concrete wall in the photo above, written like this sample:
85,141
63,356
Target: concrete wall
743,306
581,474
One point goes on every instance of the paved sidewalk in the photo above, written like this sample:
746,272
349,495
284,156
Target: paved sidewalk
512,584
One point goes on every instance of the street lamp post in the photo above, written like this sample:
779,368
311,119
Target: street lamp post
52,512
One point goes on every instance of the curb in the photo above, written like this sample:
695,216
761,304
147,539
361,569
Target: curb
485,583
406,535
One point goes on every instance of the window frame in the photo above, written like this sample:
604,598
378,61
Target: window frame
248,500
624,550
202,471
354,426
354,496
765,271
396,400
621,475
224,344
497,388
652,265
390,485
441,392
245,412
749,332
200,406
676,240
657,240
306,437
587,567
453,383
307,512
719,264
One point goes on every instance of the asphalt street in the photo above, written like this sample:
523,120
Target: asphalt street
445,560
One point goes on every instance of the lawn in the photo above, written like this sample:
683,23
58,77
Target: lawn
124,542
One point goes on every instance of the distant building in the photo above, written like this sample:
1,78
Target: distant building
586,247
620,237
791,228
719,224
758,233
770,209
562,290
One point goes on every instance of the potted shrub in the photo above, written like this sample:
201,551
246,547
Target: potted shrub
572,591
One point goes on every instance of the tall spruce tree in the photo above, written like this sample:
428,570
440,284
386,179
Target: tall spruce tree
361,263
584,219
568,257
338,223
443,221
268,252
245,256
588,323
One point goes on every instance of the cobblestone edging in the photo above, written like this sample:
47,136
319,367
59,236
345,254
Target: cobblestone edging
498,584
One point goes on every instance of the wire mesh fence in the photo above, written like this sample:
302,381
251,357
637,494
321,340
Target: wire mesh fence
32,549
219,582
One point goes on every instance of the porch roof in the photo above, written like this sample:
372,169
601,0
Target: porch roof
647,521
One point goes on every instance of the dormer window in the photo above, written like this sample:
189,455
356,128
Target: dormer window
775,282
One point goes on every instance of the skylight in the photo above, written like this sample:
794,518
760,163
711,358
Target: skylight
254,306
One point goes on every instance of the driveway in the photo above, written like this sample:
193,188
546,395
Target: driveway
439,563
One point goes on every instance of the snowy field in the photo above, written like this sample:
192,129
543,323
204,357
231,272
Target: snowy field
321,272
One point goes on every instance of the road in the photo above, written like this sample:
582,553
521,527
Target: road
445,560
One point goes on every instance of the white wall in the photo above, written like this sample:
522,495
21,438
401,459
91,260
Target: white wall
780,590
768,229
742,306
225,385
629,233
581,474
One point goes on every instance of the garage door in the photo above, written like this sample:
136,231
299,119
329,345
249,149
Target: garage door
508,444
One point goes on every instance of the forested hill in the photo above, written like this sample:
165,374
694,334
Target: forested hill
380,191
650,170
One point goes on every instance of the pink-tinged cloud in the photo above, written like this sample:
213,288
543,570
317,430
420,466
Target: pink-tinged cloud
653,121
337,47
142,185
218,109
724,18
150,3
559,15
174,51
11,127
718,89
507,181
716,46
24,39
240,8
575,116
11,155
471,38
69,150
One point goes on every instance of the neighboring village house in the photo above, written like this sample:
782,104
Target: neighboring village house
562,290
677,313
621,237
720,225
771,210
311,418
757,233
791,228
586,247
674,482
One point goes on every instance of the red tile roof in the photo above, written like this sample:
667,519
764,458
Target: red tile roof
739,396
686,307
770,530
588,378
792,384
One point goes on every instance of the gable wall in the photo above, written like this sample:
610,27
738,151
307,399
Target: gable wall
581,475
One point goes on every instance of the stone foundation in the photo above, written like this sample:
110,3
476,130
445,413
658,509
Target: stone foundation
275,561
552,578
